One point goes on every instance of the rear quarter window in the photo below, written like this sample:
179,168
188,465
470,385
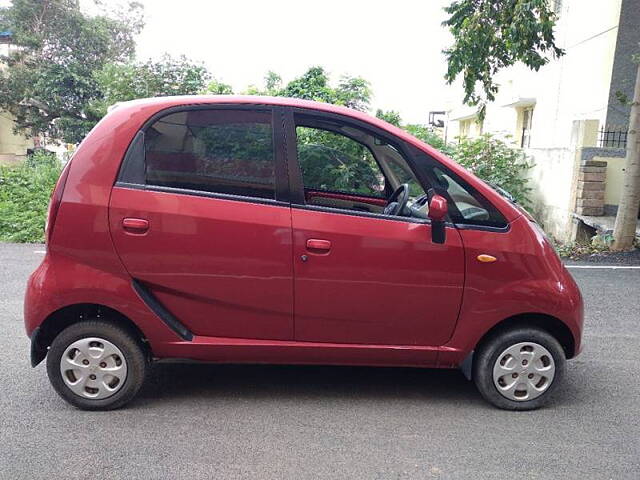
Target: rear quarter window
218,151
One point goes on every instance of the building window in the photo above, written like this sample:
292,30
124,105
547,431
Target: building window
465,126
470,128
527,117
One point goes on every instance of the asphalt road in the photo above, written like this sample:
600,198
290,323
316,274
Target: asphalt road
259,422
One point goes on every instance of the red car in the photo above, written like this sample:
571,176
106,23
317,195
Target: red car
273,230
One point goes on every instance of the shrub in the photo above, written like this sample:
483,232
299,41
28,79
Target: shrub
24,196
497,163
427,135
493,160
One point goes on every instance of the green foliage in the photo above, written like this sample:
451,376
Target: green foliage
233,144
24,196
353,92
576,250
493,160
314,84
216,87
430,136
49,83
334,162
272,82
389,116
497,163
490,35
167,76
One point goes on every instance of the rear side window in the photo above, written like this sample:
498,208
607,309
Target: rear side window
219,151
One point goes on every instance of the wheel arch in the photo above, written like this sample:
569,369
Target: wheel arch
554,326
68,315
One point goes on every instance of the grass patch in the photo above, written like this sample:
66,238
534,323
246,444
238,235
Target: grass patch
25,191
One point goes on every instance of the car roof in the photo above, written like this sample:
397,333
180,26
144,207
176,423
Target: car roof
161,103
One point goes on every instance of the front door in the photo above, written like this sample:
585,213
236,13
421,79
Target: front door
201,226
363,277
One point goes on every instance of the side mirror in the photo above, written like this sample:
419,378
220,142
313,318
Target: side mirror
438,210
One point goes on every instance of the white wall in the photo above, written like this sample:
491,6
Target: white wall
574,87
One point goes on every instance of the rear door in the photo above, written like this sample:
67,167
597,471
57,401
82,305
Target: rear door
201,220
362,277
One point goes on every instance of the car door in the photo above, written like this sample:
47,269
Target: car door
365,277
201,222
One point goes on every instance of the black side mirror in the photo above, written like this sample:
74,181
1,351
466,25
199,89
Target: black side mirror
438,210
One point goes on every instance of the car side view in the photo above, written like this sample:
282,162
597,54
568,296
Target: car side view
273,230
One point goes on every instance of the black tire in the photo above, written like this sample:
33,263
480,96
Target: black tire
129,345
488,352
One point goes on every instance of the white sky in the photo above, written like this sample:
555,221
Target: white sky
396,45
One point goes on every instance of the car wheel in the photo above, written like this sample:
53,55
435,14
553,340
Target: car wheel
519,369
96,365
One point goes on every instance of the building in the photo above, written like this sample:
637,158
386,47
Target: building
568,113
13,147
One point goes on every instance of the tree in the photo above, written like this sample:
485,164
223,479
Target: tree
167,76
216,87
272,82
353,92
389,116
490,35
624,230
314,84
49,84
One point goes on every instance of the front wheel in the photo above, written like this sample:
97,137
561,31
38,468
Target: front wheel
519,369
96,365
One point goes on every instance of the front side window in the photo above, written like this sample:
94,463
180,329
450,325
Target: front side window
336,163
218,150
351,168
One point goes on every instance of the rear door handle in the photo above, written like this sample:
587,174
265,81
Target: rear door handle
135,225
315,244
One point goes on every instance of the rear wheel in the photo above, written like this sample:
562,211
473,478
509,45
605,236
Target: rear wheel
95,365
519,369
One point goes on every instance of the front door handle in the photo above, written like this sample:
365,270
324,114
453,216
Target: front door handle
317,245
135,225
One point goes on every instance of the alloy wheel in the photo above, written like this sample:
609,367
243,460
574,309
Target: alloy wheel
523,371
93,368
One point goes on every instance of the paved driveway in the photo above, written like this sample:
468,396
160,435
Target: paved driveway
260,422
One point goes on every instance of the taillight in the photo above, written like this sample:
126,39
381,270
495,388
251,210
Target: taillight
54,203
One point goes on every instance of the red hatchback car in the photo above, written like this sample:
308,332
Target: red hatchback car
273,230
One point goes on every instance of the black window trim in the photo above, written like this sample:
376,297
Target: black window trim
131,173
202,193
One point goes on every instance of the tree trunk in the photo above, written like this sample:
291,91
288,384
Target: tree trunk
624,231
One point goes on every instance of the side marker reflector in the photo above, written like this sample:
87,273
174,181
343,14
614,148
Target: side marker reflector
486,258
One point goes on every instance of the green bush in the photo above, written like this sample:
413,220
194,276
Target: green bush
494,161
24,196
497,163
427,135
